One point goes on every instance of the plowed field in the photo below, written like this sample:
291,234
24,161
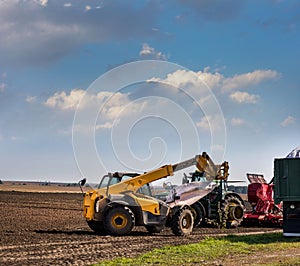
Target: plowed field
48,229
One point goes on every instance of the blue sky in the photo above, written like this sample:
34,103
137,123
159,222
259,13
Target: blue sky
246,52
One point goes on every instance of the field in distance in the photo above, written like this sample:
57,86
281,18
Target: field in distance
27,186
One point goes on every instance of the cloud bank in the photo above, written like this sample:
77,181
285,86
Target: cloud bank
40,32
113,104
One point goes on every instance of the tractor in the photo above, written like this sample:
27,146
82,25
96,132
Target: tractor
209,198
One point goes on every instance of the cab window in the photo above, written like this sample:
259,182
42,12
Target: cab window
106,180
145,190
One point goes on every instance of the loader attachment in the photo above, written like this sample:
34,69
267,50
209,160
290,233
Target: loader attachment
189,193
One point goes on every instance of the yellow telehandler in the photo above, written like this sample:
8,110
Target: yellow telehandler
124,200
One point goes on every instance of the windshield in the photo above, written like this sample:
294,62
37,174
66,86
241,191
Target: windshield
109,180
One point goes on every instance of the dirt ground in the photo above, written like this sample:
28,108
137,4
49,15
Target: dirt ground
48,229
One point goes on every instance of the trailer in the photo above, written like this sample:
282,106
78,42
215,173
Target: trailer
287,189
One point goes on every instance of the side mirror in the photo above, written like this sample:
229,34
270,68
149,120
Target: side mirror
82,182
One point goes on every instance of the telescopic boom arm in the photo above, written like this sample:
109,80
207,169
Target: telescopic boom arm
202,162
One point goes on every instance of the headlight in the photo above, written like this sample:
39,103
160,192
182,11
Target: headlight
97,206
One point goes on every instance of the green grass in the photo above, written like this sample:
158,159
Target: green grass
211,249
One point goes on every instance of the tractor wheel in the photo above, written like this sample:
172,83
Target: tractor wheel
182,222
198,212
96,226
119,221
232,212
152,229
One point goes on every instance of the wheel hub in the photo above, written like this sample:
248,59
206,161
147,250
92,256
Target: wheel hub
236,212
119,221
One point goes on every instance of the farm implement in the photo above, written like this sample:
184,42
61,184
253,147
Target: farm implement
264,210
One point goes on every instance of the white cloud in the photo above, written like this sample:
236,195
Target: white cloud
192,82
43,2
87,8
237,121
179,78
2,87
212,80
105,125
14,138
210,123
64,101
203,123
217,81
110,105
288,121
30,99
69,101
113,108
150,52
196,84
11,138
248,79
67,5
146,50
244,97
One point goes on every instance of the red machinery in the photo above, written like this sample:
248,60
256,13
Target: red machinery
260,196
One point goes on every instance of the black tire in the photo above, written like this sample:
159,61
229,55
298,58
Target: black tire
152,229
96,226
198,212
232,211
182,222
119,221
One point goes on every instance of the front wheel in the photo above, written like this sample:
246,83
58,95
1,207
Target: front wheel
96,226
182,222
119,221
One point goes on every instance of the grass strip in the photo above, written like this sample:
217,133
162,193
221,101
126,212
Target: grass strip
210,249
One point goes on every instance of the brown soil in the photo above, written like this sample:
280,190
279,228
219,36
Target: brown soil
261,257
48,229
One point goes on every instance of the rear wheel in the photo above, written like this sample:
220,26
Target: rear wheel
182,222
198,212
119,221
96,226
232,211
